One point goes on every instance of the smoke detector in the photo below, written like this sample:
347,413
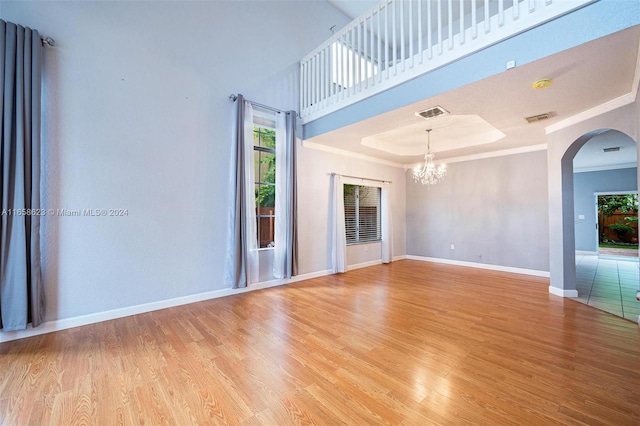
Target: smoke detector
543,83
434,112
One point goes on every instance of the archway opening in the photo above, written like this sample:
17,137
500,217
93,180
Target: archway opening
604,169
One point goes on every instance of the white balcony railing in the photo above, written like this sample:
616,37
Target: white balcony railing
399,40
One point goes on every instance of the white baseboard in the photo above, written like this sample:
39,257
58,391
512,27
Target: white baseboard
588,253
364,265
563,293
373,263
66,323
510,269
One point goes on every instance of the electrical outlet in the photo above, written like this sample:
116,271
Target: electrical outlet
453,247
511,64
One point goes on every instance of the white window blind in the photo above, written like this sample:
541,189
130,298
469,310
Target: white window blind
362,213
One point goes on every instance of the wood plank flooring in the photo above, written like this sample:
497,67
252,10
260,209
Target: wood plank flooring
410,343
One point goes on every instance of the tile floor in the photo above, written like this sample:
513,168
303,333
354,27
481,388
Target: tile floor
609,284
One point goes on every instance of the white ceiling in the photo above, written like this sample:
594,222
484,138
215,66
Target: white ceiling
583,78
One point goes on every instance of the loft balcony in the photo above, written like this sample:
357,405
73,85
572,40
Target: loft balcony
399,40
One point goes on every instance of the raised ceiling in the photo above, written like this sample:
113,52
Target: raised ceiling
583,77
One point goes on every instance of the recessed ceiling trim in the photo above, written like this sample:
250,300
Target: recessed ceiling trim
338,151
500,153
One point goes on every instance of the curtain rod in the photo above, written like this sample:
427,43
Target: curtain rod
47,41
234,97
361,178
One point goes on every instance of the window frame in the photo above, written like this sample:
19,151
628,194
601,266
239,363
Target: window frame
258,132
378,228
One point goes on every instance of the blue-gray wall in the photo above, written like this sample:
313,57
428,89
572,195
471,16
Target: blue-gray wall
493,210
585,185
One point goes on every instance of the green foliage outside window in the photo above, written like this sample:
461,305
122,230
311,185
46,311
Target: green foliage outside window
266,197
609,204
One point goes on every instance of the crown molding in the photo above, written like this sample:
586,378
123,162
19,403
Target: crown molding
338,151
491,154
593,112
604,168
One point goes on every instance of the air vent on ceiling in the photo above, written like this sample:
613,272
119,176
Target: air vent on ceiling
434,112
539,117
612,149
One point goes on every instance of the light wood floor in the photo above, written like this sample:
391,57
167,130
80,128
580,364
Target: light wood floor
410,343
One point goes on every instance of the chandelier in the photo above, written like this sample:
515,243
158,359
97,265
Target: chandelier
429,174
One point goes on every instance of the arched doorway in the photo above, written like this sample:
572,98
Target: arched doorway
605,176
563,142
562,213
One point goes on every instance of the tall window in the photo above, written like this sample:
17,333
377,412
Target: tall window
264,150
362,213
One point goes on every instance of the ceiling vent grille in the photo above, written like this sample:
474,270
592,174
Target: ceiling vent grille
612,149
434,112
539,117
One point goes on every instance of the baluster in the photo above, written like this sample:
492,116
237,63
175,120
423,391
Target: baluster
411,55
487,18
500,13
395,52
379,48
372,55
450,21
386,39
532,6
461,21
516,9
403,55
474,19
420,51
429,30
354,62
321,80
303,87
343,66
359,56
440,27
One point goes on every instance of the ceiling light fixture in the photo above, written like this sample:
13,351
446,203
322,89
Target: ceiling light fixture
429,174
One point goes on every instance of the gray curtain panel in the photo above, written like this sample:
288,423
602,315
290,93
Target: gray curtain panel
292,194
238,247
21,292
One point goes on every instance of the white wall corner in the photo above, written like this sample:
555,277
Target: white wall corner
562,292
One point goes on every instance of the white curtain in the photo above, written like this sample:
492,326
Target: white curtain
339,238
253,260
387,224
282,210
